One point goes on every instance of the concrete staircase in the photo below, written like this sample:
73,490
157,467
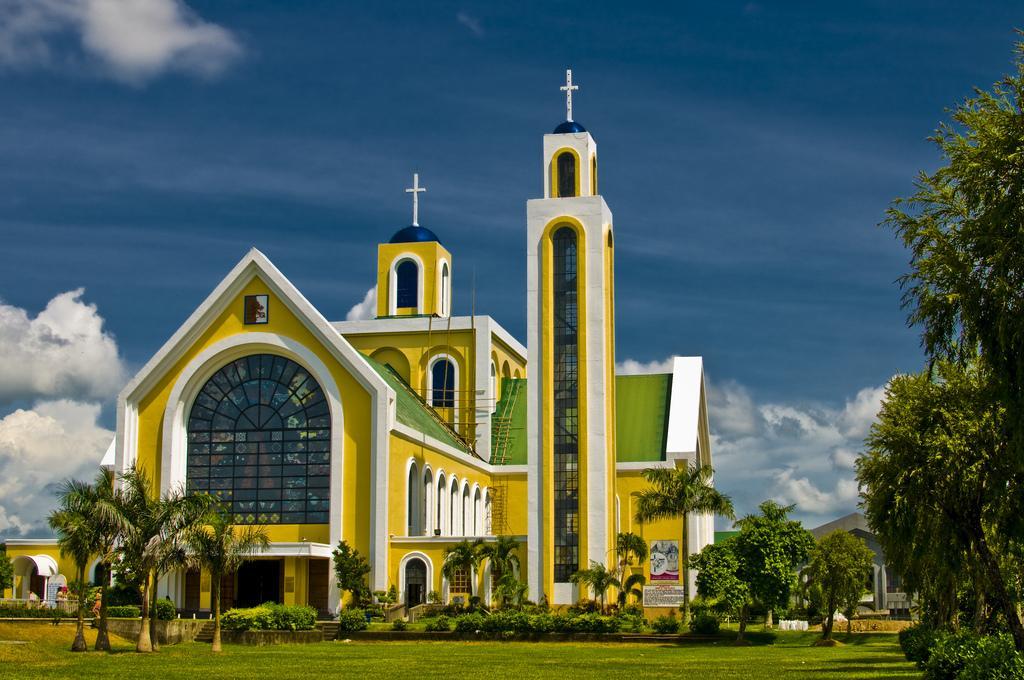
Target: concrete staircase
330,629
205,634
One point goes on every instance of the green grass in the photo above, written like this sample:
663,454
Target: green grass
867,655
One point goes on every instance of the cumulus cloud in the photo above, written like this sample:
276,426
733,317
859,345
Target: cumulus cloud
793,453
634,367
39,448
62,352
367,309
128,40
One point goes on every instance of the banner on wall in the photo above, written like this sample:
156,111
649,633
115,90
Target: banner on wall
663,595
664,560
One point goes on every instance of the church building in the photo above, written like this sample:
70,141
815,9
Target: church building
410,432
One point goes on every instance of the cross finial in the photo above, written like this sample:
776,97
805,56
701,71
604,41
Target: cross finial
415,190
568,88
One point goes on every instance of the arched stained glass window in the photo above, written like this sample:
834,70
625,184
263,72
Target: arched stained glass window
566,174
407,276
259,436
442,393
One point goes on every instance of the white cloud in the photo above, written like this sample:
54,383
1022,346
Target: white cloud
367,309
129,40
62,352
634,367
39,448
471,23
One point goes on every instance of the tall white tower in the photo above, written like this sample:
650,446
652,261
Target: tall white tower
571,346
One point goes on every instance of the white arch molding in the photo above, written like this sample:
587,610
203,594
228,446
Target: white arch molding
444,288
415,554
428,501
202,367
440,492
456,376
393,282
413,499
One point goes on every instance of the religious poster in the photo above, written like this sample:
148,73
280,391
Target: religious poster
664,595
664,560
256,309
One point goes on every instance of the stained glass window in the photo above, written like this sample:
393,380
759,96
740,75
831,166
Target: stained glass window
566,406
408,278
259,440
566,175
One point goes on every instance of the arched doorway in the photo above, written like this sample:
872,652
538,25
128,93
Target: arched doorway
415,582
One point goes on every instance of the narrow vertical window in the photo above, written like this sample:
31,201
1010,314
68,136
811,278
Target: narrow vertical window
593,175
442,392
412,502
446,295
407,276
565,399
566,165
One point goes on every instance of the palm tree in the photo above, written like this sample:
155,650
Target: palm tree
599,578
155,526
630,549
220,548
675,493
108,523
503,557
464,556
76,536
632,586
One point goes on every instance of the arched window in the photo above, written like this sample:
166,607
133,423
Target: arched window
478,524
446,295
488,528
565,397
413,501
467,519
566,165
407,277
453,514
259,440
442,492
442,392
428,502
494,387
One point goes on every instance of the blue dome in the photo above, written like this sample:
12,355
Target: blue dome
414,234
569,126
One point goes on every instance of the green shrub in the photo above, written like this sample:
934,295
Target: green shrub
666,625
121,594
543,622
507,620
470,623
917,642
442,624
165,611
399,624
996,658
631,623
15,612
586,623
705,624
351,620
951,653
270,616
125,611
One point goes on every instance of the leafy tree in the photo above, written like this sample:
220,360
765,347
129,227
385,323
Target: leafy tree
6,569
76,536
718,580
351,568
156,526
598,578
770,548
840,565
220,548
938,487
675,493
632,585
503,558
630,549
463,557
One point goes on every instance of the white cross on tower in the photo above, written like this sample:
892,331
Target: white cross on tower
568,88
415,191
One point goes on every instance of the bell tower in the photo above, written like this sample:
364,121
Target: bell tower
571,348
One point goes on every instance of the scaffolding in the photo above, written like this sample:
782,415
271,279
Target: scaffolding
502,433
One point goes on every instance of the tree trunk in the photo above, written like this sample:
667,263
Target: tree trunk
743,622
686,578
216,614
102,637
849,624
826,625
144,643
998,594
154,639
768,619
79,645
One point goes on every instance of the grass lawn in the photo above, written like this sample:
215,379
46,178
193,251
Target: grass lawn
46,655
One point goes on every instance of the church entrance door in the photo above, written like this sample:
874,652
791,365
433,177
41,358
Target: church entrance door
259,581
415,582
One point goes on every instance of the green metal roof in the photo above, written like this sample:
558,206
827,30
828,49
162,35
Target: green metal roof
412,411
641,416
508,440
724,535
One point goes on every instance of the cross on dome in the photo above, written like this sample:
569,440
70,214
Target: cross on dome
568,88
415,190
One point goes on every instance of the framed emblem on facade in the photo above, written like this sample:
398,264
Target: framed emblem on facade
257,309
664,560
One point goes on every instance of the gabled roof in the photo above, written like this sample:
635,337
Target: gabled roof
641,416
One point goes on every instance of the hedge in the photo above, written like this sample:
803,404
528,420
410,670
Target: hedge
270,616
125,611
32,613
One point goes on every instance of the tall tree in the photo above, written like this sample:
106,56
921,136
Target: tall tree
598,578
351,568
220,548
718,580
938,485
840,566
771,547
155,525
76,536
676,493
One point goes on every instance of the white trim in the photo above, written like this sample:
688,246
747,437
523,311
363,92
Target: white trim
297,549
393,282
403,430
15,542
441,504
443,293
457,392
420,324
449,540
429,492
415,490
642,465
415,554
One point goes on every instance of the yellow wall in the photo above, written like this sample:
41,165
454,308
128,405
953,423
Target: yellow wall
431,254
65,565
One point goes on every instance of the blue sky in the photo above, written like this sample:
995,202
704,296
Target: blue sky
747,149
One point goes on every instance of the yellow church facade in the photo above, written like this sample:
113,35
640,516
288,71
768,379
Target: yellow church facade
410,432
